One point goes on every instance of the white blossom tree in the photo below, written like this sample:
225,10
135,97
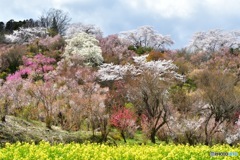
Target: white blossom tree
160,68
76,28
83,47
214,40
26,35
146,36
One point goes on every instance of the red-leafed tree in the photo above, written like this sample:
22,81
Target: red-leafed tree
124,120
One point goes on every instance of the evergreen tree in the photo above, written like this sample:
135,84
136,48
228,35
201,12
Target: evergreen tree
54,28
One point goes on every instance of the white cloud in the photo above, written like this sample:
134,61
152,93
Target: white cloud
222,7
184,8
62,3
165,8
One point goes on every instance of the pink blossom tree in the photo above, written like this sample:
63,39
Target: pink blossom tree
146,36
34,68
124,120
115,50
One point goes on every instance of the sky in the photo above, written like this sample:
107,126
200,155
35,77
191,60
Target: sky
178,18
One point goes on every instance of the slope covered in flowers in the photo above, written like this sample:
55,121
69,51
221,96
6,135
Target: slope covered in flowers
95,151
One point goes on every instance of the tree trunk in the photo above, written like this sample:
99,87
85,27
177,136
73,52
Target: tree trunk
104,129
123,136
5,111
152,136
3,118
207,136
48,122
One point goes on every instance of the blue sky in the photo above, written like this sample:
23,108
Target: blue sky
178,18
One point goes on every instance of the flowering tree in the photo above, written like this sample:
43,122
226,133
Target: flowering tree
115,50
26,35
185,128
220,91
76,28
83,99
150,93
160,68
47,94
13,96
11,59
34,67
214,40
124,120
146,36
83,48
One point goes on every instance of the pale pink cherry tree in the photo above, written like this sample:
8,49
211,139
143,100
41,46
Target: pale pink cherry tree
13,96
115,49
84,98
76,28
146,36
47,94
234,138
214,40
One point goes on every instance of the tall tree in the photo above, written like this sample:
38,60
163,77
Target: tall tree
54,28
2,26
214,40
90,29
147,37
149,94
9,26
83,49
62,19
220,91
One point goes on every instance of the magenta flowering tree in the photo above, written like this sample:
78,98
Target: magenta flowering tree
124,120
34,68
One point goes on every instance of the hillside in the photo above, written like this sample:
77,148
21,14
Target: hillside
16,129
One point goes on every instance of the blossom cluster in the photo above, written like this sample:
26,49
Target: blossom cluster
83,47
159,68
26,35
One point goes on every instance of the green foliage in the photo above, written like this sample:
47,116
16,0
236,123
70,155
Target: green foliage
33,48
3,75
13,58
140,50
129,105
188,85
53,31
